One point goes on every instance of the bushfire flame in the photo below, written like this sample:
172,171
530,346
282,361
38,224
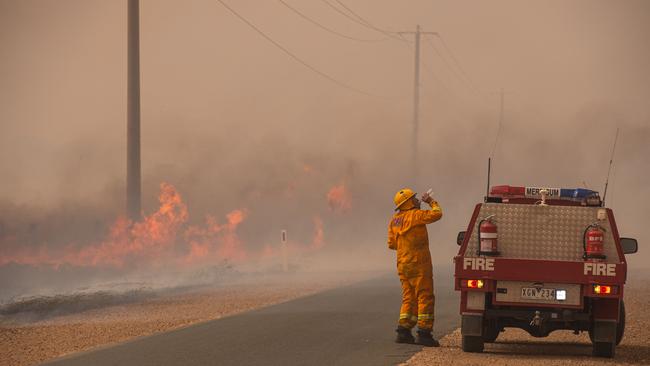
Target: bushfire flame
214,241
339,198
155,240
165,237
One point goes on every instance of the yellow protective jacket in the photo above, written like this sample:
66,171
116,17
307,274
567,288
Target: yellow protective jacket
407,233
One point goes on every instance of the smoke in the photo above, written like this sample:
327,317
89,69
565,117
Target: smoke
255,144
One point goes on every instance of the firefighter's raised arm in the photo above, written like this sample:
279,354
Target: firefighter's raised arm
428,216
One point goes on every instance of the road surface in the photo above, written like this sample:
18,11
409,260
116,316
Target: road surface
352,325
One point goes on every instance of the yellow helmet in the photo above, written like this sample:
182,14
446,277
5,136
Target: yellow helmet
402,197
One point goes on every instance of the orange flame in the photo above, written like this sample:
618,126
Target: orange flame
339,199
151,239
215,241
308,168
156,240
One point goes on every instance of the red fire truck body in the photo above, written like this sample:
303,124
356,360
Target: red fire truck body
542,260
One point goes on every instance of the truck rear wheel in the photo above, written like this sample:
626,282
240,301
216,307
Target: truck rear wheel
472,343
604,349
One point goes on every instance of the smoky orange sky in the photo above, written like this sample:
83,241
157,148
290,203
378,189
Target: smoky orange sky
234,123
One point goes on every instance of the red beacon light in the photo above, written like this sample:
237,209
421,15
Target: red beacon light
507,191
579,196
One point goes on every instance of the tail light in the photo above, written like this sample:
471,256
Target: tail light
474,283
605,290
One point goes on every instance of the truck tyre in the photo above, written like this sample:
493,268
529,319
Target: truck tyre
472,343
604,349
620,328
490,331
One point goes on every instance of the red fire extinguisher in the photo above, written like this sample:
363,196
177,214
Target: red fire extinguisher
592,243
487,238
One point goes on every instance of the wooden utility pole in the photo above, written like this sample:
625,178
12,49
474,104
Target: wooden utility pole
133,185
502,94
416,102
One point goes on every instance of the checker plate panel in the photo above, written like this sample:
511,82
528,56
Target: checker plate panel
541,232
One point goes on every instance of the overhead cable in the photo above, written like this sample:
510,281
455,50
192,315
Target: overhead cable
458,70
304,16
456,62
444,59
293,56
361,21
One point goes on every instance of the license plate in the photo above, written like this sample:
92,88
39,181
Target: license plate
538,293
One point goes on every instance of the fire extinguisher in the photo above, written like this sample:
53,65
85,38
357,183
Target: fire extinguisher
487,238
592,242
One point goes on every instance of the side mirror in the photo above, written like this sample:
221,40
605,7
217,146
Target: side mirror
629,245
461,237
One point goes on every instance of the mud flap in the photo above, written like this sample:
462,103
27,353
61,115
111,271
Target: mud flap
604,338
604,331
472,325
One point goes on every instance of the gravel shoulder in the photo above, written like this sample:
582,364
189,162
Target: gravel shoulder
516,347
31,342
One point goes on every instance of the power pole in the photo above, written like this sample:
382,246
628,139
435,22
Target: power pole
501,107
133,186
416,102
502,94
416,105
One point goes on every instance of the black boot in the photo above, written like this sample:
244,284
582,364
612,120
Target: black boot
425,338
404,335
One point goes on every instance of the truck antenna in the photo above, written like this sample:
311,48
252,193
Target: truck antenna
496,141
487,191
611,160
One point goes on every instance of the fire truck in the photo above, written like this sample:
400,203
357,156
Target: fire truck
542,259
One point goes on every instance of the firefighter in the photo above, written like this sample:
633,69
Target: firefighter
407,234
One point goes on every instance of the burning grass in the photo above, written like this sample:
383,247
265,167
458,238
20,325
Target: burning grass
160,239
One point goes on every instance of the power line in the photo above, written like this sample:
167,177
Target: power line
458,70
444,59
302,15
397,35
456,62
434,75
428,67
359,16
344,13
361,21
293,56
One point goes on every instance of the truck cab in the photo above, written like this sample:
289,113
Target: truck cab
542,259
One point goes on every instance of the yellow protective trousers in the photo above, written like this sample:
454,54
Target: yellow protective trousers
407,234
418,302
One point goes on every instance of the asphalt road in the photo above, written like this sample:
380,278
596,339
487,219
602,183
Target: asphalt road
352,325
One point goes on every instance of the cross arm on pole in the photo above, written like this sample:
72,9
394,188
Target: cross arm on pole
431,33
